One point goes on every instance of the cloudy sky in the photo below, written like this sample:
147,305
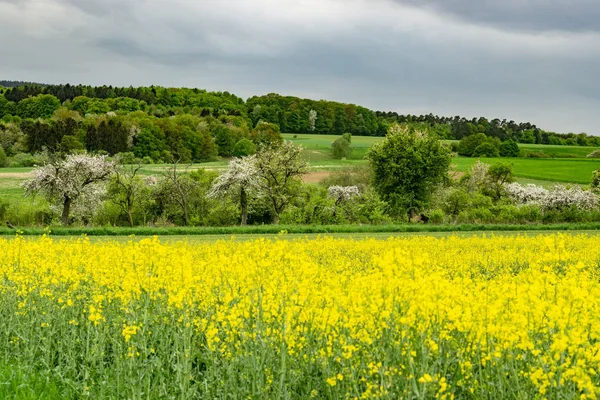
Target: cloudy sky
527,60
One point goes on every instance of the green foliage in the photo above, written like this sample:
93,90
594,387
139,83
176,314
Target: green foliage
497,176
24,160
266,133
486,149
407,167
3,158
478,142
41,106
596,179
437,216
243,148
70,144
509,149
340,148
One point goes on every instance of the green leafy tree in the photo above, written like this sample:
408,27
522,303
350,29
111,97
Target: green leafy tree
128,190
498,175
596,179
3,158
468,144
41,106
266,134
340,148
243,148
486,149
70,144
509,149
408,166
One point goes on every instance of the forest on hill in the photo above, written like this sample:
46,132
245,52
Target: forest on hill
192,125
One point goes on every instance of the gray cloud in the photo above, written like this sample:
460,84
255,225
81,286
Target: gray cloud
383,54
528,15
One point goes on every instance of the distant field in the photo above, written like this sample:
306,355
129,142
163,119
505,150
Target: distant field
318,147
547,169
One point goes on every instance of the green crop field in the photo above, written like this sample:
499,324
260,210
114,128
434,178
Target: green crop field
547,169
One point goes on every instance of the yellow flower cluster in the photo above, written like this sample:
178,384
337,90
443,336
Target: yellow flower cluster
417,317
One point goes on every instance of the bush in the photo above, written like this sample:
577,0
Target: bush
468,145
594,154
509,149
243,148
437,216
3,158
147,160
340,148
537,154
22,160
126,158
486,149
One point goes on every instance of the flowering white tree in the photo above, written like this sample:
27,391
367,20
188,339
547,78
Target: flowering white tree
312,119
560,197
241,179
278,170
341,194
477,176
66,181
529,194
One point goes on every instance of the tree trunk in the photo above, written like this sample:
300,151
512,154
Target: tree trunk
185,214
130,216
244,205
66,211
275,218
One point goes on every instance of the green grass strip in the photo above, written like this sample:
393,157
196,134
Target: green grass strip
296,229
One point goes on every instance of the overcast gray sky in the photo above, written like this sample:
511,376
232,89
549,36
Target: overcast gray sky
527,60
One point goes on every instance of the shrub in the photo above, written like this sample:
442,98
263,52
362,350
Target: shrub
126,158
562,197
340,148
486,149
3,158
243,148
22,160
530,194
468,144
509,149
437,216
594,154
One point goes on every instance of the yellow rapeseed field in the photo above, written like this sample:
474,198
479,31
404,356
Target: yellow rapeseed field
420,317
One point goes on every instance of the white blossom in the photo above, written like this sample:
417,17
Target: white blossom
241,172
560,197
342,194
312,119
73,182
529,194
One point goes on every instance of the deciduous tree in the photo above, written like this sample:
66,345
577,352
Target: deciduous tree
66,181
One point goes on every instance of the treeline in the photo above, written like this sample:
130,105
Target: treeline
161,124
11,84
